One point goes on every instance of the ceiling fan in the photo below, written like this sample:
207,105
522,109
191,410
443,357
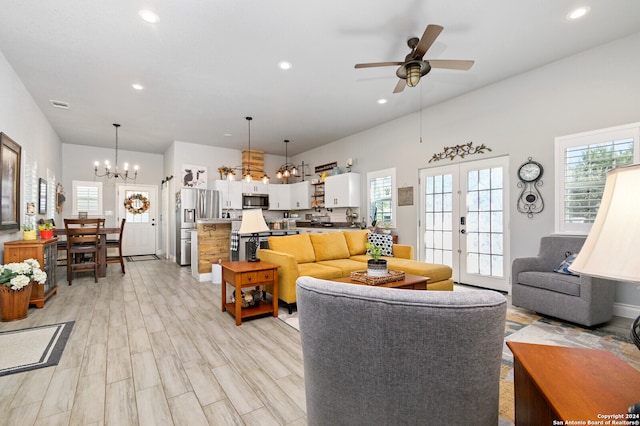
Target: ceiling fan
414,67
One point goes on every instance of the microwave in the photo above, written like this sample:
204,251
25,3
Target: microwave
255,201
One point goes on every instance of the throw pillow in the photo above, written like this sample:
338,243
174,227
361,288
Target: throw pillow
381,240
563,268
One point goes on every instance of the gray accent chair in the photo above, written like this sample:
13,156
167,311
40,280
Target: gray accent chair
582,300
380,356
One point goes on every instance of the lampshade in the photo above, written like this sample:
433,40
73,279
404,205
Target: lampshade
612,246
252,222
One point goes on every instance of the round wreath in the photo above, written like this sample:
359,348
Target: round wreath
128,204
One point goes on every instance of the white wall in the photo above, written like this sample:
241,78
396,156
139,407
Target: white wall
519,117
23,122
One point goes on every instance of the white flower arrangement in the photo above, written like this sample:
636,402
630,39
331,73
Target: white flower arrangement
20,274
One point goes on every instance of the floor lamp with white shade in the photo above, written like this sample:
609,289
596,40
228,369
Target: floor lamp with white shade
612,247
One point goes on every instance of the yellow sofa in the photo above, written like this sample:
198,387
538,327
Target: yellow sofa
337,254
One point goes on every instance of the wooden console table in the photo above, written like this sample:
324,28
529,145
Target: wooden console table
249,274
555,384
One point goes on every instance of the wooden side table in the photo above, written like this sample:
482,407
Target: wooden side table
249,274
555,384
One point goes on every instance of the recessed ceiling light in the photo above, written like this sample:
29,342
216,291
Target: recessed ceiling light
284,65
227,135
137,86
578,13
149,16
382,101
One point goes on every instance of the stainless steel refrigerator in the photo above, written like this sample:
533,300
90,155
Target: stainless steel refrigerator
191,205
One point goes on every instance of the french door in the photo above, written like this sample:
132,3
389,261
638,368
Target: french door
464,219
140,230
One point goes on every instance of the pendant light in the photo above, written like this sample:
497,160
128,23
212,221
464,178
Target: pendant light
116,174
287,169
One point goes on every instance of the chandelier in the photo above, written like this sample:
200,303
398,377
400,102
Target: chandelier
247,176
116,174
287,169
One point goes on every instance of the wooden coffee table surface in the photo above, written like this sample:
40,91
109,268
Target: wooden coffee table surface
412,282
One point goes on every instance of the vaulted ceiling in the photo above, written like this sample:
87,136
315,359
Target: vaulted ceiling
207,64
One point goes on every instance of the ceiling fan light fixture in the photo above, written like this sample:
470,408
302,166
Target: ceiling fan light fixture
413,75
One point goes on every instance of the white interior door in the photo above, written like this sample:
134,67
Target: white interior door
464,221
140,230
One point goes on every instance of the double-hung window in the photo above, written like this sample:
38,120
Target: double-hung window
87,197
582,163
382,187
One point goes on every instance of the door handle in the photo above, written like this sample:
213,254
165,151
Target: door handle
462,231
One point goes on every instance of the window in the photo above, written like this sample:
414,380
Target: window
582,162
87,197
382,187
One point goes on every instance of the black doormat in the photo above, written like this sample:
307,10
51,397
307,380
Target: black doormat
33,348
142,257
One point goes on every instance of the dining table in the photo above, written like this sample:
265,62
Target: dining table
102,246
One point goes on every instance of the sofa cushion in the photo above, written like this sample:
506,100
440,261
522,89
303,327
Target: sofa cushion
567,284
329,246
347,266
381,240
299,246
318,271
356,241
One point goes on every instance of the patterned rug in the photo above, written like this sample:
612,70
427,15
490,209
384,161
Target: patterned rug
525,326
32,348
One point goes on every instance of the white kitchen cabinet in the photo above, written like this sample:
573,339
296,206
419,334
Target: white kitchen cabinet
280,197
230,194
301,195
255,187
342,190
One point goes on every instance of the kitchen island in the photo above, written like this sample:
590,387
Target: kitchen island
210,243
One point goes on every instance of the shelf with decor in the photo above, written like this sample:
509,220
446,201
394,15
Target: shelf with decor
317,197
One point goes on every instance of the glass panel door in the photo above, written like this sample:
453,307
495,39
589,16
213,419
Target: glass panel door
464,212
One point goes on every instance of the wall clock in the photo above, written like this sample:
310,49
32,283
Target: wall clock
530,199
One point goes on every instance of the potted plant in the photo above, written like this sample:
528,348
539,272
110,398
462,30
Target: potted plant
28,232
376,267
16,280
46,230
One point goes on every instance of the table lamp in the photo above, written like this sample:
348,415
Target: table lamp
253,223
612,246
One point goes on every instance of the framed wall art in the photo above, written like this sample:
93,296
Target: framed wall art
10,153
42,196
405,196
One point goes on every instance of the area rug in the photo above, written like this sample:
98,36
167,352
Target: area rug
525,326
33,348
141,257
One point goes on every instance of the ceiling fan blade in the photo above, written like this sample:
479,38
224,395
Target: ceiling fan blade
400,86
378,64
430,35
451,64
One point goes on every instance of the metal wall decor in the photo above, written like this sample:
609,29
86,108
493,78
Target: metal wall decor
461,151
530,199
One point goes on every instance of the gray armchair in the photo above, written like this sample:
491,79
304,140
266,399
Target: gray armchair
582,300
380,356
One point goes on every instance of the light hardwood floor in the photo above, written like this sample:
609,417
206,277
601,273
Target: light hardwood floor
152,347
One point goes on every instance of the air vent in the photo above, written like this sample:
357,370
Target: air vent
59,104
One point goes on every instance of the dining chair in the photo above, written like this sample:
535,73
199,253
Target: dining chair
83,237
116,244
